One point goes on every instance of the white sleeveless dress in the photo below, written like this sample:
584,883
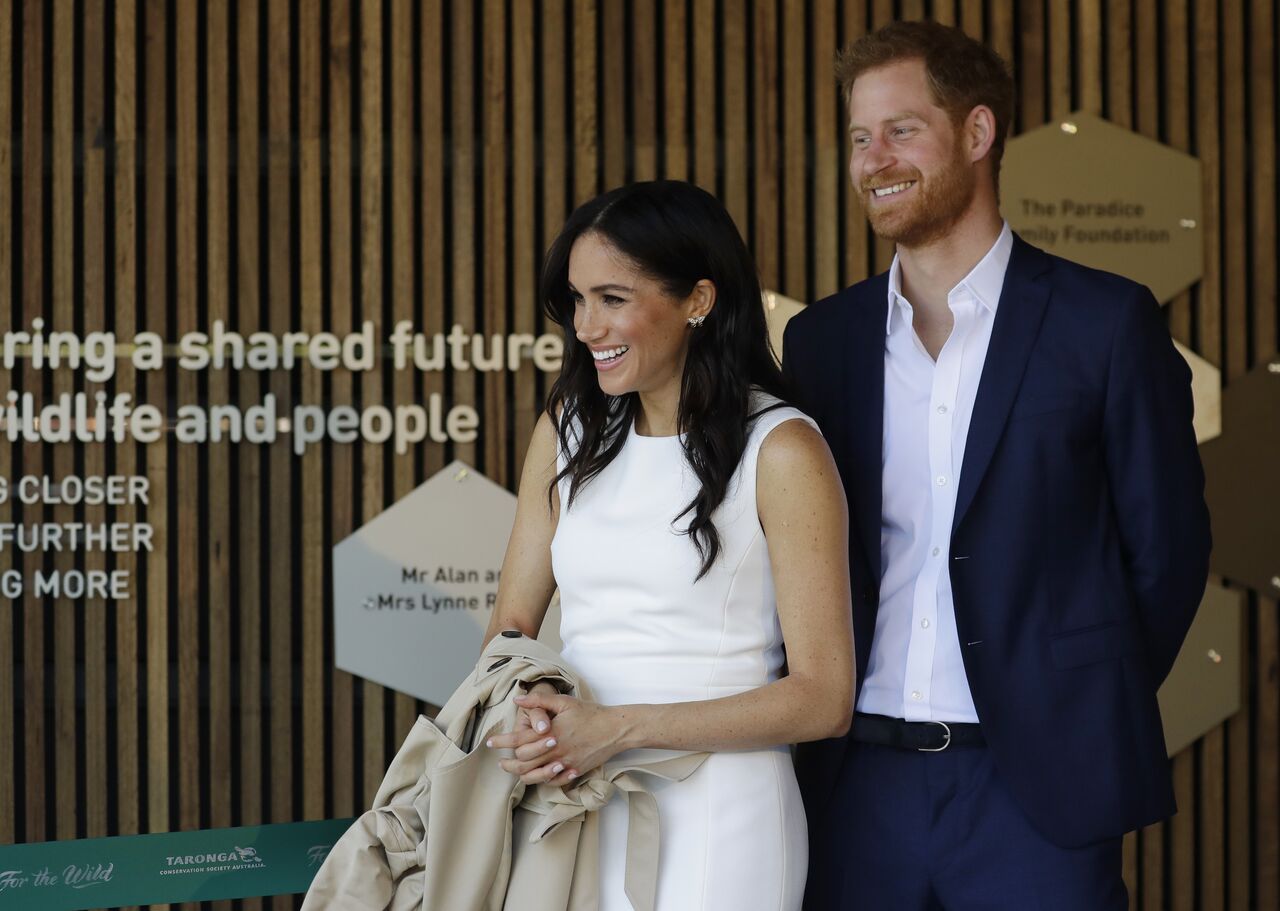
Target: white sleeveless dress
639,630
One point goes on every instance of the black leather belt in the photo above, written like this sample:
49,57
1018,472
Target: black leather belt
925,736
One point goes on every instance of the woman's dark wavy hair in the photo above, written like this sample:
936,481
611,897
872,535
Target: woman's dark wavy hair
677,235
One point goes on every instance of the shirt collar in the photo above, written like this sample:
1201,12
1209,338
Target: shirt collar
984,280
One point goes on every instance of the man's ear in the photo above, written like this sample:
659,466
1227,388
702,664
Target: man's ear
980,132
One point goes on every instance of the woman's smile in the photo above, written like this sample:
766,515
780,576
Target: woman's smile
608,358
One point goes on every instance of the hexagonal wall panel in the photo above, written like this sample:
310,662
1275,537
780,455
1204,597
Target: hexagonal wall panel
1206,390
414,587
1242,485
1203,689
778,311
1106,197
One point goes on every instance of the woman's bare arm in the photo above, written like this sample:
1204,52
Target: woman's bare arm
527,582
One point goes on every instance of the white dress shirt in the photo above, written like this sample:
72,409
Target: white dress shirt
916,671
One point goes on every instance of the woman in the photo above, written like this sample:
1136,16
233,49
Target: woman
694,524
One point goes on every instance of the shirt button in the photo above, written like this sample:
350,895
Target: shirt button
915,694
937,550
942,409
924,624
942,480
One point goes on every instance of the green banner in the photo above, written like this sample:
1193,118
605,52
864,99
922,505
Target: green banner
170,867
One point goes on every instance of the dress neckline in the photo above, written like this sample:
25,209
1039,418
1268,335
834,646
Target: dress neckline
635,434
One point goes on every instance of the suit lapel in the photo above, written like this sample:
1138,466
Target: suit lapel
1017,324
866,425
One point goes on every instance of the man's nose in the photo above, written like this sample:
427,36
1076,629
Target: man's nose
876,156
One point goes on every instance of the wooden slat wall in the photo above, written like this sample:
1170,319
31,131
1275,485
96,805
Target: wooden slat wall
283,165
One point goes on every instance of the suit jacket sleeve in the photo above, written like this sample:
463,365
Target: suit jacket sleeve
1155,478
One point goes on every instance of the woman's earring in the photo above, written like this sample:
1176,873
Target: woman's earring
696,321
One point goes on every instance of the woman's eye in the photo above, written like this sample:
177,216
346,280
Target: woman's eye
612,301
576,298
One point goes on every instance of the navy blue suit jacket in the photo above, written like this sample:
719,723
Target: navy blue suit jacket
1079,550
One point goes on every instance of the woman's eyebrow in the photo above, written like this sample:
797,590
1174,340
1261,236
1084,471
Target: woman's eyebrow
601,289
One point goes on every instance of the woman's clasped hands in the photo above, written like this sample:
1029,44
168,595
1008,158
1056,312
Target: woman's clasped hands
558,737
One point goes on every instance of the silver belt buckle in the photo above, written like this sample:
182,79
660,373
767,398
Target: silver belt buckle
945,743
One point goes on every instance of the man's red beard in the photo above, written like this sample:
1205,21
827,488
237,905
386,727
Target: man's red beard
932,208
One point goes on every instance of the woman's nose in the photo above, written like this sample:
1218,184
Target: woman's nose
586,325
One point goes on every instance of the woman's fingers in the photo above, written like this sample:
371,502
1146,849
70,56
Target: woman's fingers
556,772
566,777
535,749
534,772
539,720
515,739
543,775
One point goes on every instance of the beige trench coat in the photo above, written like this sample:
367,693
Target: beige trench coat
451,831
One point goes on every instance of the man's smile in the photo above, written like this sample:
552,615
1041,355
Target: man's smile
893,189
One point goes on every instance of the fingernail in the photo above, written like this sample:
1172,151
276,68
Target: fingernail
573,775
489,742
557,768
542,727
551,742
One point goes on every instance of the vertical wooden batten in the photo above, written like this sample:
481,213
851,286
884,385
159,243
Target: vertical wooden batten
156,290
9,616
369,268
248,506
402,264
219,541
187,476
92,284
311,319
30,238
60,317
343,489
122,236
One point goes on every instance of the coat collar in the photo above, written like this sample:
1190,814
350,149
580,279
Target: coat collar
1013,335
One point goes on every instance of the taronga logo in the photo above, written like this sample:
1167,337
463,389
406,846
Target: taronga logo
237,858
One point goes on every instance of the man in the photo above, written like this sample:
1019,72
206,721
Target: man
1029,536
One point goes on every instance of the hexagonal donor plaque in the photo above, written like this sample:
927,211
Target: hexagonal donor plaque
1242,486
414,588
1101,195
1206,393
1203,689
